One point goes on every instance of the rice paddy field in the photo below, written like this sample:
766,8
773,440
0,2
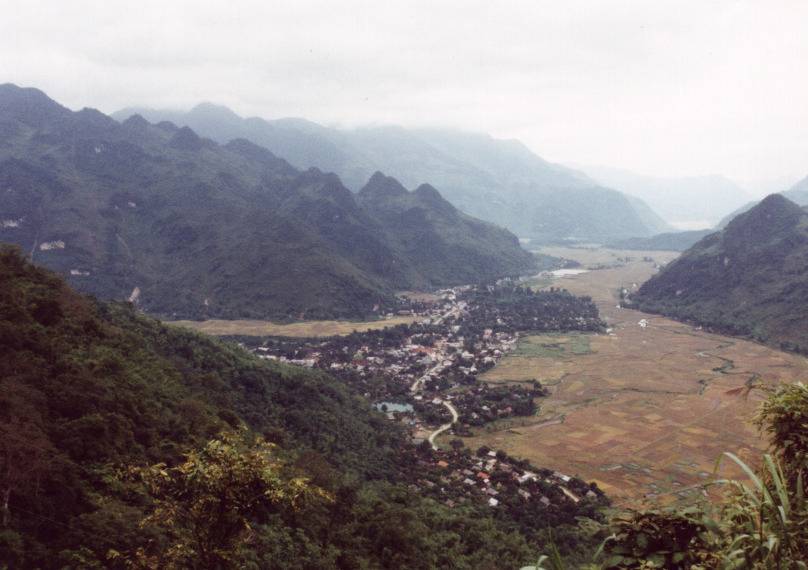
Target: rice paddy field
643,411
304,329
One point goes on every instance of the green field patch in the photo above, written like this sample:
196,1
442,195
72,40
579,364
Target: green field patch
538,283
302,329
553,346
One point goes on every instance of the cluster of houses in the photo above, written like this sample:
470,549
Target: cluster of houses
425,375
510,308
456,476
419,366
484,403
412,371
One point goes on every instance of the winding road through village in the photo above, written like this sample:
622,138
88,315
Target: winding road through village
444,427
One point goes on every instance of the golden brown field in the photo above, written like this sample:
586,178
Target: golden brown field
419,296
645,412
303,329
593,256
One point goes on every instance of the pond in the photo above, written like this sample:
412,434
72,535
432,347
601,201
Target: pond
393,407
567,272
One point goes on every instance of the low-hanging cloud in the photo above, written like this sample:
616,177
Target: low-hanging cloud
666,88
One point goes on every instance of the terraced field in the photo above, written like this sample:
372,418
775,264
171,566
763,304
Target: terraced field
644,411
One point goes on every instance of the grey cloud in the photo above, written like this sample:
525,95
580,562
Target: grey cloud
668,88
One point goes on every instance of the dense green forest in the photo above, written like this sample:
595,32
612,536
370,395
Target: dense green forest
115,428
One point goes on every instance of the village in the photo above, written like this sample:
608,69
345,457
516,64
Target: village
411,371
425,376
535,497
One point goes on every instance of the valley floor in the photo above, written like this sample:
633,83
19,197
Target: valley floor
303,329
644,411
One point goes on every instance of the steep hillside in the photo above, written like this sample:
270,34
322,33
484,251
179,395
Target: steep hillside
89,386
185,227
504,182
500,181
437,239
669,241
750,278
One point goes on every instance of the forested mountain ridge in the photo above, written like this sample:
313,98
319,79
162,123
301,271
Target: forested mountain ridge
500,181
186,227
751,278
435,237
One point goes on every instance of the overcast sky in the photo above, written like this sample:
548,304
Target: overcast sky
665,88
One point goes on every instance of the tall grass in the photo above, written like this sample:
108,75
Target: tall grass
766,519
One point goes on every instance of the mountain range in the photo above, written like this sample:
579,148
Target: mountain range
751,278
687,203
186,227
668,241
500,181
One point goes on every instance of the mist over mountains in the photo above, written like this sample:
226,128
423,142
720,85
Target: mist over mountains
666,241
686,203
797,193
500,181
